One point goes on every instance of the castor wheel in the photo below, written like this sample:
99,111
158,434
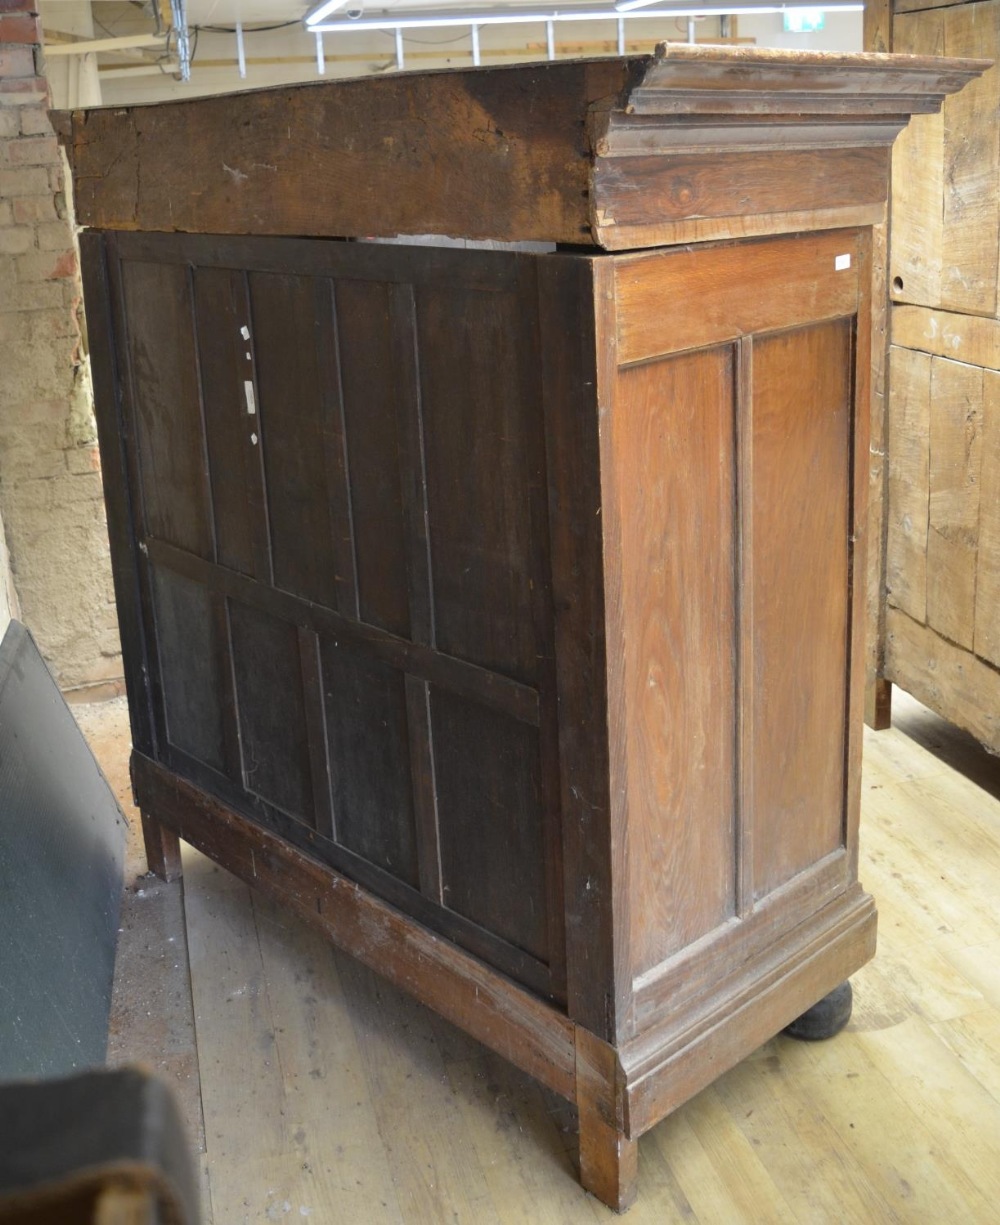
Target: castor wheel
826,1018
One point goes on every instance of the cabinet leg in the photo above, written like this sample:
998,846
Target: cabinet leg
163,849
609,1165
878,705
826,1018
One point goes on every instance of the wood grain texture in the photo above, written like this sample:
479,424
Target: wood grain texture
952,681
963,338
909,465
987,609
526,152
956,398
673,438
802,435
946,171
878,475
726,281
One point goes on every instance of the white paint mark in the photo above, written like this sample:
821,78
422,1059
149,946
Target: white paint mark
251,402
245,332
253,439
249,357
236,175
841,262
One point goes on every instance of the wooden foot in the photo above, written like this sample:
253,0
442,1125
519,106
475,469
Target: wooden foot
163,849
878,705
609,1165
826,1018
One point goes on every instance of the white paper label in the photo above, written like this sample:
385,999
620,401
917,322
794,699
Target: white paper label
841,262
248,392
245,332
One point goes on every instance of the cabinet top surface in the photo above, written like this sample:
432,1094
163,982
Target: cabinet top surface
525,152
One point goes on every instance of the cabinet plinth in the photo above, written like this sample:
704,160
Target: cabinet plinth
500,611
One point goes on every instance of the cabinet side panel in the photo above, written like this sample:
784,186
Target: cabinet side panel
674,456
801,439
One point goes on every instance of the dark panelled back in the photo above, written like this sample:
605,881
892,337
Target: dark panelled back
340,467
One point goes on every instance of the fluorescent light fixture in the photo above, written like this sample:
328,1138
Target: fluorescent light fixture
401,19
626,6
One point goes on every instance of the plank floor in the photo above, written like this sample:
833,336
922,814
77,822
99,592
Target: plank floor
316,1091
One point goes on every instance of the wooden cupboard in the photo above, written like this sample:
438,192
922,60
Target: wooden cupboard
501,610
940,632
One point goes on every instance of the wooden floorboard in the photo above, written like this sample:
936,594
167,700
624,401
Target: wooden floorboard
329,1096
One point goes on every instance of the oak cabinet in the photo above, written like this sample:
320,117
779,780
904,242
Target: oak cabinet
499,610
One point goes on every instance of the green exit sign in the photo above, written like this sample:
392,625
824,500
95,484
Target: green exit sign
804,21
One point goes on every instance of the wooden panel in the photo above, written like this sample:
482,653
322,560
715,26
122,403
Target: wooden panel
987,613
97,258
228,393
268,672
438,153
484,462
963,338
493,849
369,760
918,180
576,315
909,461
190,668
944,677
302,438
953,521
673,451
371,398
946,172
166,409
971,213
801,466
652,189
726,282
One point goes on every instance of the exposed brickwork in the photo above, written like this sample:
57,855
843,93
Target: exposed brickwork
50,481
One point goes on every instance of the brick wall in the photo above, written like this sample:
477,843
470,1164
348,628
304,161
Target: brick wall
50,482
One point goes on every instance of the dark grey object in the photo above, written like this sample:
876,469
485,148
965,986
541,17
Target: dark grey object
62,841
64,1143
826,1018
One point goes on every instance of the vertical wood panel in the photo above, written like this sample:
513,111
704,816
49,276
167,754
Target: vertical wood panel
295,344
226,366
369,754
573,336
987,614
909,463
487,770
370,380
268,672
483,449
673,433
918,178
166,407
800,481
190,668
107,361
956,418
970,216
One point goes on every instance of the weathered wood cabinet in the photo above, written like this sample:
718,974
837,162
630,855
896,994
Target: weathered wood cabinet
941,633
501,610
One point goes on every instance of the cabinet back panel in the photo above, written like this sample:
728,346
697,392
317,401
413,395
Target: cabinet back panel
484,457
340,491
166,410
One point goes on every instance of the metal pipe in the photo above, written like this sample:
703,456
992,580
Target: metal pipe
400,58
550,39
241,55
475,45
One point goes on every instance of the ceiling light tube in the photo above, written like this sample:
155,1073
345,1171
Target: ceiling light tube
324,10
486,17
